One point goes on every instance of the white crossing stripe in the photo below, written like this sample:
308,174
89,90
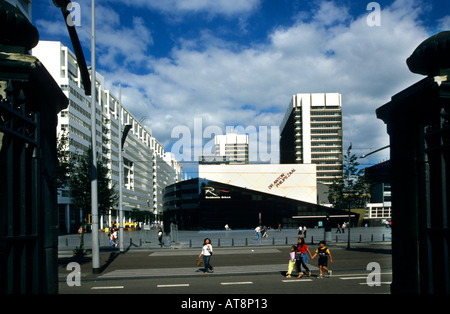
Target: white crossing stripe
174,285
236,283
104,288
352,278
296,280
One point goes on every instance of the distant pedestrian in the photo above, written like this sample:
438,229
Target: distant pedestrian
338,228
207,252
304,231
343,227
323,253
302,257
258,232
160,237
265,232
292,261
300,231
112,243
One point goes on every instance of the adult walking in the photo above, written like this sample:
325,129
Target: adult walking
160,237
258,232
303,256
207,252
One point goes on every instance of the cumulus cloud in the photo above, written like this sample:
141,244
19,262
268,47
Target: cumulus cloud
211,7
225,83
365,64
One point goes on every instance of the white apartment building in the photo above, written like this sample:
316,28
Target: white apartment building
147,168
232,146
311,133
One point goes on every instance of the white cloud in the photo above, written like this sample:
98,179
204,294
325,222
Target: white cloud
211,7
226,84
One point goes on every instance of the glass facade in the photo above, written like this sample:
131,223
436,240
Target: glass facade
200,204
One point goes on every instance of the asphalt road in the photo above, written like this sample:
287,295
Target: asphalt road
239,271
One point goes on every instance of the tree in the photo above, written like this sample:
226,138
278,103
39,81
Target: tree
80,185
80,188
65,164
353,190
141,215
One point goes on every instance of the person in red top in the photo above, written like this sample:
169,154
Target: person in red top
302,257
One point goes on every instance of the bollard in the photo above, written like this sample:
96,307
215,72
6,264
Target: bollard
286,240
140,242
360,239
273,241
218,243
371,238
312,240
232,242
383,237
246,242
67,242
336,239
190,243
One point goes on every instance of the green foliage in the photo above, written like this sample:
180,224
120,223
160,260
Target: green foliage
80,185
353,190
79,251
141,215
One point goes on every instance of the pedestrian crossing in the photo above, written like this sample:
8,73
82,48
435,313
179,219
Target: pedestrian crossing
190,271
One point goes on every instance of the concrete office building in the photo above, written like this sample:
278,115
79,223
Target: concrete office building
234,147
311,133
147,169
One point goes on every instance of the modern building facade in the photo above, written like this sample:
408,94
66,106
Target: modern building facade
380,207
147,169
311,133
198,204
294,181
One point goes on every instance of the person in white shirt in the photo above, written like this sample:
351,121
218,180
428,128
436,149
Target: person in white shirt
207,252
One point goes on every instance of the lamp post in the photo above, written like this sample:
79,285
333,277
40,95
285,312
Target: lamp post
94,186
121,247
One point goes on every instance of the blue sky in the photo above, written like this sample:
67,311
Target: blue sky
238,62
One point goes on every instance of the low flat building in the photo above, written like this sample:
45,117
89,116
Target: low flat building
294,181
200,204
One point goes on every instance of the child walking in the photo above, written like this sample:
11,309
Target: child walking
291,261
302,257
323,253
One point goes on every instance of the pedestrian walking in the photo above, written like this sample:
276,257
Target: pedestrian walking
112,241
160,237
300,231
338,228
292,261
343,227
265,232
323,253
258,232
207,252
303,255
304,231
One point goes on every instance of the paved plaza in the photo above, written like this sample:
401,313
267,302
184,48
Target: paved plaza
147,239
